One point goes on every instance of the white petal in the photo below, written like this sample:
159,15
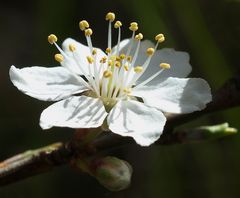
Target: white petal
134,119
80,54
176,95
48,84
179,61
74,112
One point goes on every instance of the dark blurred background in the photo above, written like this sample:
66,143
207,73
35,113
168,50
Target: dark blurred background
208,30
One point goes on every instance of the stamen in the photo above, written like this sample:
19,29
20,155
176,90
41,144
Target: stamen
122,56
88,32
160,38
110,34
96,70
110,63
126,67
113,79
165,65
90,59
94,52
83,25
118,25
59,58
52,38
118,58
133,26
150,51
129,59
72,47
139,37
107,74
108,50
103,60
118,64
110,16
138,69
100,70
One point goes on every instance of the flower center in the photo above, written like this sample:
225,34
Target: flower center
112,76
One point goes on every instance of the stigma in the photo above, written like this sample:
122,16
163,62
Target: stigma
115,75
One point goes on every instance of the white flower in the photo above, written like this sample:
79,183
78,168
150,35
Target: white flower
124,87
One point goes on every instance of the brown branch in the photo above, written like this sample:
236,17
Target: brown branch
41,160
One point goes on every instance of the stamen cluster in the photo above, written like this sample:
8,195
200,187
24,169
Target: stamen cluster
116,74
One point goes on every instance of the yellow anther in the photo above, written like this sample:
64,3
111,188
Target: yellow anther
122,56
110,63
118,64
160,38
59,58
103,60
83,25
72,47
52,38
126,67
118,58
88,32
150,51
90,59
138,69
107,74
127,90
133,26
129,58
139,37
94,52
110,16
165,65
118,24
108,50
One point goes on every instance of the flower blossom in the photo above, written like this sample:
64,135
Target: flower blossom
126,89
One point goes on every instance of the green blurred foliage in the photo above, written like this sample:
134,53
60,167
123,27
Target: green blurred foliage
208,30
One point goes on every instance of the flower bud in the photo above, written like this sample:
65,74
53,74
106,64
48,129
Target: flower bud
217,131
113,173
205,133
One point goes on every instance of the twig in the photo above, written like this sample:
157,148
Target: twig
41,160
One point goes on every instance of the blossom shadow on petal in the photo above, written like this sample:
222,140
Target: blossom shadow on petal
74,112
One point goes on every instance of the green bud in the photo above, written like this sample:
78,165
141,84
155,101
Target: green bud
113,173
217,131
205,133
